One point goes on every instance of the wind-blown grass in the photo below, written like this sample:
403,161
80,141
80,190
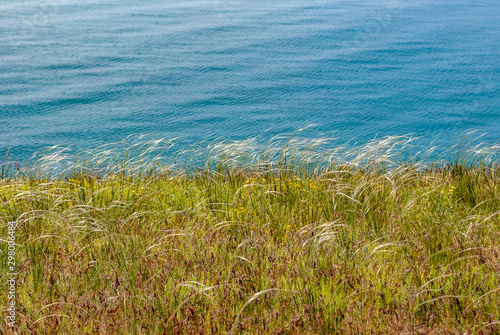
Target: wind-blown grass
297,237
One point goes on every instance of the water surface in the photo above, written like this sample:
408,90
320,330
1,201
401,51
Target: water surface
91,72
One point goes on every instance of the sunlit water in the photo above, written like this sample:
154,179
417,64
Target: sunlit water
90,72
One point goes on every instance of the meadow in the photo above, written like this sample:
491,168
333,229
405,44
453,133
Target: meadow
226,238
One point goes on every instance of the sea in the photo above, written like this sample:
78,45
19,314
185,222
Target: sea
84,73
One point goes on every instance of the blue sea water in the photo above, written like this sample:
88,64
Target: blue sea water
90,72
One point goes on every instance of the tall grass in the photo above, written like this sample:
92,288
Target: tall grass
295,236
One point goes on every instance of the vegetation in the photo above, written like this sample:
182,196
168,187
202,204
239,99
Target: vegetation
271,241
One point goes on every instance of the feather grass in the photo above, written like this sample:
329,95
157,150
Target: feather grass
289,236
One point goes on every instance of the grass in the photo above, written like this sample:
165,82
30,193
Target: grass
290,239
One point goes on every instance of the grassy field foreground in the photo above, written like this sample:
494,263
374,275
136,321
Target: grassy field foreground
344,249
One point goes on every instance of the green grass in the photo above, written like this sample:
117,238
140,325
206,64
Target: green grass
255,243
